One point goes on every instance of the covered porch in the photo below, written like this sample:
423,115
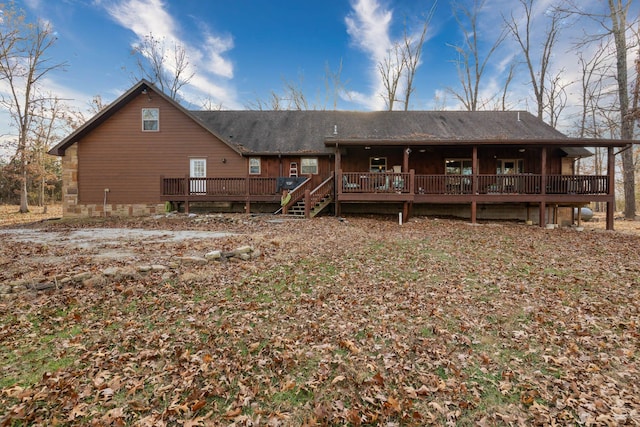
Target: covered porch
532,173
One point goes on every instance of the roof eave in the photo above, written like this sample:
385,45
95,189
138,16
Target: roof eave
573,142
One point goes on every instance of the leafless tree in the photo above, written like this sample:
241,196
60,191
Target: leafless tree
24,63
390,69
334,86
538,64
412,53
614,25
164,64
470,65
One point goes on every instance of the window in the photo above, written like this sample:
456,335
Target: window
458,167
509,166
150,119
377,164
254,166
309,166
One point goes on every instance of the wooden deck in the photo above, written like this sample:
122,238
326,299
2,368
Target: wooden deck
407,188
388,187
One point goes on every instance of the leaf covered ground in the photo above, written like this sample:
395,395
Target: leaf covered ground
353,322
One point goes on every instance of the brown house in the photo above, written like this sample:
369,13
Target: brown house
145,151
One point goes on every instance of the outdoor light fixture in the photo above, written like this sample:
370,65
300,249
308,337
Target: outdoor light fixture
367,148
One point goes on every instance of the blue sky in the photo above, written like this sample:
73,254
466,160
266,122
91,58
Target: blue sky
242,50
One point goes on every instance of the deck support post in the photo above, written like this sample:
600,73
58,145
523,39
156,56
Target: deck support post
474,211
611,204
405,212
543,217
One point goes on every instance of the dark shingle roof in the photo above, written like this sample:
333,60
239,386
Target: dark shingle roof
306,131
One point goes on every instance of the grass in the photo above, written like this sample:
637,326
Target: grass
431,322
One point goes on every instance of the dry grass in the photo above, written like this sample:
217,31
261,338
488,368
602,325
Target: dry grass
10,215
355,322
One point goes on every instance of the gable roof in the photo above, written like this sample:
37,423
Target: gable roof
111,109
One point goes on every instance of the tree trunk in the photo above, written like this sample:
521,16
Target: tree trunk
24,206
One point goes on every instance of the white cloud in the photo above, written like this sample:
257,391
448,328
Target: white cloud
368,25
210,68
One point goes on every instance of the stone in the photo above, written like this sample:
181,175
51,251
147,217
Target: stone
244,257
144,268
256,253
213,255
80,277
158,267
110,271
243,250
192,260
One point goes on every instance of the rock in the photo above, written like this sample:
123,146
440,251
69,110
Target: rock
110,271
158,267
213,255
80,277
94,281
243,250
256,253
6,289
145,268
244,257
192,260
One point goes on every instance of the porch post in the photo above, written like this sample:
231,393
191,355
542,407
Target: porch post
337,188
474,169
543,188
405,159
474,183
611,175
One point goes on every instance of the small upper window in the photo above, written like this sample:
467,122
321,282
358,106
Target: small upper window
309,166
254,166
150,119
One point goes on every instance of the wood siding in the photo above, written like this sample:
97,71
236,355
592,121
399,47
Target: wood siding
119,156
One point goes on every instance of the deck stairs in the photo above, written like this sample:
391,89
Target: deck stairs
298,208
319,198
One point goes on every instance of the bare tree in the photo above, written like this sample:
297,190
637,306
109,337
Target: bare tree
470,65
412,53
164,64
538,65
390,69
23,65
334,86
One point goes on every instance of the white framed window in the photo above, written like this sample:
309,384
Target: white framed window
458,166
377,164
509,166
309,166
254,166
150,119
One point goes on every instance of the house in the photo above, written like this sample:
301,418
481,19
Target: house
145,151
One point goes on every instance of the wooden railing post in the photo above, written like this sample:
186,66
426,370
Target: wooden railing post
247,191
307,203
412,181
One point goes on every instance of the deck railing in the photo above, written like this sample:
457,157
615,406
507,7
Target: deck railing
218,186
366,182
